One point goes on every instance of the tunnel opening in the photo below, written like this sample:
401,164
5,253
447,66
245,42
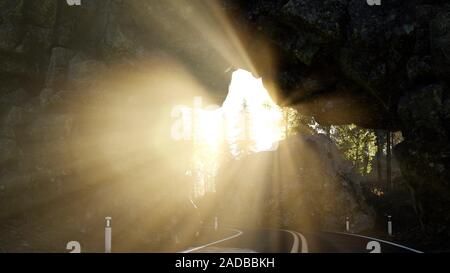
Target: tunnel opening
248,130
247,122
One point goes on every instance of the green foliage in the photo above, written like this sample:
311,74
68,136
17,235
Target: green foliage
358,144
294,122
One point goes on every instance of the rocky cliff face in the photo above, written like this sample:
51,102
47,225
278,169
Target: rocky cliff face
339,60
305,184
380,67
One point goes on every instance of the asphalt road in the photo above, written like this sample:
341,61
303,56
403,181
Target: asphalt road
288,241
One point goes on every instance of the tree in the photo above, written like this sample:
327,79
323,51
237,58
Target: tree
389,159
245,143
380,144
292,121
358,145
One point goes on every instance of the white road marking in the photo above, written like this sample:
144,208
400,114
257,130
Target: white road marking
295,245
375,239
296,241
239,233
304,243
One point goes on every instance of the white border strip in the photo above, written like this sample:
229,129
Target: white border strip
375,239
239,233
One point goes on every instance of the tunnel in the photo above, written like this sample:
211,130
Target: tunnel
81,84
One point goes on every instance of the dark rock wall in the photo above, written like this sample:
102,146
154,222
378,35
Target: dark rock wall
380,67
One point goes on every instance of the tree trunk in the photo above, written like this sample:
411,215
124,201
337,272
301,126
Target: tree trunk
286,122
366,156
380,145
388,160
357,155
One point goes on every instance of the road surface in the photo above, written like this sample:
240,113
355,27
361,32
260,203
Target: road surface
288,241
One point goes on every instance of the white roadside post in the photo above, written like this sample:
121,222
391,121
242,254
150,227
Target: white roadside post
389,225
108,234
216,223
347,224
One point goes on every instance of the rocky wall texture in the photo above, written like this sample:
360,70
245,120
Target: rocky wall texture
306,184
344,61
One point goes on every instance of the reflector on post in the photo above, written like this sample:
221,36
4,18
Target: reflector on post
108,234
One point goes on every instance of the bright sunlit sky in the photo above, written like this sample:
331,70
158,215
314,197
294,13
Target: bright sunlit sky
264,121
264,117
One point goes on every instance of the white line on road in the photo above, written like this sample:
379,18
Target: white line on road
295,245
296,241
239,233
375,239
304,243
